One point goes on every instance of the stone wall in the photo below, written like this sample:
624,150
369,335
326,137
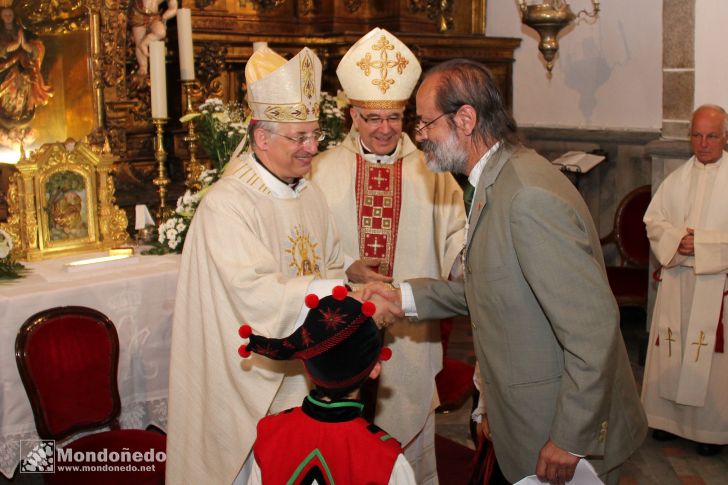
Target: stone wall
627,166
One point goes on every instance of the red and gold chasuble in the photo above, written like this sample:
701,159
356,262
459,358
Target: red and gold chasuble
378,201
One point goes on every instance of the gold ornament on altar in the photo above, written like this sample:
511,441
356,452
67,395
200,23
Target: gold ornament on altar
61,201
548,18
438,10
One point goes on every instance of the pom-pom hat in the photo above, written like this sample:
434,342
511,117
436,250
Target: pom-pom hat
338,341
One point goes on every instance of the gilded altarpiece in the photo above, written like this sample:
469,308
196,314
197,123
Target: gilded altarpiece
223,35
61,202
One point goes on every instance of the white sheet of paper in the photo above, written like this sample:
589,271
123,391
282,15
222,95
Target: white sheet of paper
584,475
576,161
142,217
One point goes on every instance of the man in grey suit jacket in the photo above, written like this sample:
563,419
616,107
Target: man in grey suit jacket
557,381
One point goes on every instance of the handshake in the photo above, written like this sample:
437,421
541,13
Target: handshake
385,297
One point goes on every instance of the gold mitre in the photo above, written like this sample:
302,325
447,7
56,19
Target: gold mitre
379,71
284,91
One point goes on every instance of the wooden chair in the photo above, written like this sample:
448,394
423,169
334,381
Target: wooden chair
629,279
68,359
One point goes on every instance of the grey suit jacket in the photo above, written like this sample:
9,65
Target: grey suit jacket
545,323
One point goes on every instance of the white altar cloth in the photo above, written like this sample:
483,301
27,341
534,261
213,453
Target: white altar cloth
138,298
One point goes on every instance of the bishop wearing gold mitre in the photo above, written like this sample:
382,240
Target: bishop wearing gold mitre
261,240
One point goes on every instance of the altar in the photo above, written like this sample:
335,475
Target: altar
137,294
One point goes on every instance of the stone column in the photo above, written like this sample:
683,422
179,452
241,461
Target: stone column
678,67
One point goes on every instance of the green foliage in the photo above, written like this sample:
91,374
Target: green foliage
332,119
11,270
220,128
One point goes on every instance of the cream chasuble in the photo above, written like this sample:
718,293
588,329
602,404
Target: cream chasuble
683,371
253,248
429,236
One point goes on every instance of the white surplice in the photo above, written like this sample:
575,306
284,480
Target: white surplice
429,239
252,250
685,390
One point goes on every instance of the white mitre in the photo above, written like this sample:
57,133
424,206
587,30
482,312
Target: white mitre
283,91
379,72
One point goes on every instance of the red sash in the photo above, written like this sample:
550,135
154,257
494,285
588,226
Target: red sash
378,201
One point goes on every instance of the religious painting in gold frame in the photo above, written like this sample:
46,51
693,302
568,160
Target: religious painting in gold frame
61,201
46,91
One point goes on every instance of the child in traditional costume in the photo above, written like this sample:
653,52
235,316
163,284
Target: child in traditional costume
326,440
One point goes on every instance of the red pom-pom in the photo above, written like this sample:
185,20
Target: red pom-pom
243,351
311,301
339,292
245,331
368,308
385,354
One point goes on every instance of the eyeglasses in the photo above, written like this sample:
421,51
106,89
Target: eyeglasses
301,140
421,126
376,120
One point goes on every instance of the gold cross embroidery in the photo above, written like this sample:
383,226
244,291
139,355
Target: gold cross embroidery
699,343
383,64
379,179
669,340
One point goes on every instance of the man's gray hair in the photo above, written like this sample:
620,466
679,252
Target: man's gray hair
461,82
713,107
271,126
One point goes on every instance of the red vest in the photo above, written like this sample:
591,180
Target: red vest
294,448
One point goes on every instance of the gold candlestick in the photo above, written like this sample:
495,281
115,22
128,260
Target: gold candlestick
193,167
161,180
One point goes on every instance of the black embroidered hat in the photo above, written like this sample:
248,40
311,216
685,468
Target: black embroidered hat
339,343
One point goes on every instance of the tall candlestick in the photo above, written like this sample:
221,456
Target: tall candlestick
158,78
186,52
194,168
161,180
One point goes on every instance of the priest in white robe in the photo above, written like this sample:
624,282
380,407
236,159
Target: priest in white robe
685,388
402,219
260,240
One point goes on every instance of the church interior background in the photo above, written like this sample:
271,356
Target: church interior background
623,85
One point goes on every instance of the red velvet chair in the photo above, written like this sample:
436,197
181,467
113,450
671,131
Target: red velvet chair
629,279
68,359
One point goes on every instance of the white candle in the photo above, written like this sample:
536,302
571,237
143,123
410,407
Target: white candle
259,45
158,78
186,52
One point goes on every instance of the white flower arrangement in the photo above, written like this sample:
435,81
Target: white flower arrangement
172,232
221,127
6,244
9,269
